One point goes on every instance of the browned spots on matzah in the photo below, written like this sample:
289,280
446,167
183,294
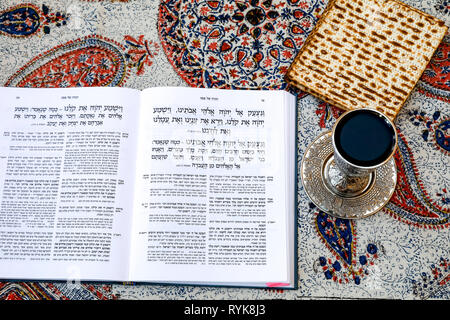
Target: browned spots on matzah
366,54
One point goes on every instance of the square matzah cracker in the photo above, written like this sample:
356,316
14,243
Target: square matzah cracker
366,54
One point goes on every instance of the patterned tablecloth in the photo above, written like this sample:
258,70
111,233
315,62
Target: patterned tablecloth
402,252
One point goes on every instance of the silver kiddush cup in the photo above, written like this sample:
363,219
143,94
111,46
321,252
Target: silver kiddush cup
349,172
347,175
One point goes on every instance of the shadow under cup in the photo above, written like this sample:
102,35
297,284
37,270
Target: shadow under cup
363,140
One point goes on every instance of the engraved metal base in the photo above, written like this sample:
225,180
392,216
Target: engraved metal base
342,185
341,196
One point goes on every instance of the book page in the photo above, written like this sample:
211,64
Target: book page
211,187
66,176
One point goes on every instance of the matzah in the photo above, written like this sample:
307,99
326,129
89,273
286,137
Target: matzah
366,54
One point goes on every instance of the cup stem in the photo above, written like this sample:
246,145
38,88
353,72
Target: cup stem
344,185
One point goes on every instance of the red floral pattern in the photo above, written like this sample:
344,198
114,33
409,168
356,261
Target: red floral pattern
235,44
91,61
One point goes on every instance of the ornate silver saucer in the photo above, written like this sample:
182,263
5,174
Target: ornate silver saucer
344,198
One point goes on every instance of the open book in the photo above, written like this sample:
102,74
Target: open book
164,185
